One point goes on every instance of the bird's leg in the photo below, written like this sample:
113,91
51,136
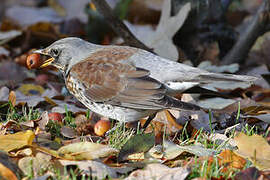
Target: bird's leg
148,121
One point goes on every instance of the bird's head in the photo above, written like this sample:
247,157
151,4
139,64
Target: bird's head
66,52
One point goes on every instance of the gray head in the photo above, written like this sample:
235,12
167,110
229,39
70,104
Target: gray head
66,52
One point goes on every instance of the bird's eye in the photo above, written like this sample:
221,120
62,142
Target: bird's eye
54,52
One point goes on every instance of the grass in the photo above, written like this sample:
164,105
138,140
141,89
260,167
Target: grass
120,135
54,128
206,170
23,115
69,120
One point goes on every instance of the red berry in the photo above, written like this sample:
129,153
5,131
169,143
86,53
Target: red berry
101,127
55,116
33,61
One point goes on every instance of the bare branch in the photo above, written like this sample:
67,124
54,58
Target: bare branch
118,26
258,26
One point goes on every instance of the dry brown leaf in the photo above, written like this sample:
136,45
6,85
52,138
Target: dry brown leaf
43,121
6,173
12,98
172,121
249,173
16,141
68,132
255,110
255,148
229,159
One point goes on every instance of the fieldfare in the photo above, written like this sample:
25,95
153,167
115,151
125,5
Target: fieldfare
126,83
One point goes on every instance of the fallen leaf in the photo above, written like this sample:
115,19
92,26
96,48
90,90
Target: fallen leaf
171,119
40,162
8,169
6,173
86,151
255,109
68,132
8,35
32,15
62,106
29,123
136,144
31,89
4,51
159,172
248,174
43,121
4,91
12,98
161,39
173,150
93,168
15,141
255,148
221,139
262,117
215,103
229,159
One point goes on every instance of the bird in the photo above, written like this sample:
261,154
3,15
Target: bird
126,83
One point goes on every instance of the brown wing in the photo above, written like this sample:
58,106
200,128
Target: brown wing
108,79
118,84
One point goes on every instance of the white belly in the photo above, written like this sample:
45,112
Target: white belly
121,114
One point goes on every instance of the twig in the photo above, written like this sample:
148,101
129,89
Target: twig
258,26
118,26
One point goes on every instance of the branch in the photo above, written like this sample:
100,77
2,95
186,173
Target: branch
258,26
118,26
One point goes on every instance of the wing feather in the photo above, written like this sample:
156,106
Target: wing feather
118,83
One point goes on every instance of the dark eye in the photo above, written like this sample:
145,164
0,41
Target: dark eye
54,52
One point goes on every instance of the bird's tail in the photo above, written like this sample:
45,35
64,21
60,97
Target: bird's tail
173,103
226,77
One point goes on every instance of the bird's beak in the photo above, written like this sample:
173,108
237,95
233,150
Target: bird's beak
48,61
92,6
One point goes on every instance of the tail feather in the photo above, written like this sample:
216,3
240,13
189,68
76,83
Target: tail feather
227,77
170,102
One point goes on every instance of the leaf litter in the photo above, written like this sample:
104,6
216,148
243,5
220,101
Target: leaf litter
46,133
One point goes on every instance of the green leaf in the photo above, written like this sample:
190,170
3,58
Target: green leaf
136,144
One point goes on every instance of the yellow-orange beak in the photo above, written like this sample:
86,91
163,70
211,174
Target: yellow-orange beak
92,6
48,61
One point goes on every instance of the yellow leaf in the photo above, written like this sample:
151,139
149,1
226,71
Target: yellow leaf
12,98
6,173
16,141
255,148
31,89
50,101
85,151
229,159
